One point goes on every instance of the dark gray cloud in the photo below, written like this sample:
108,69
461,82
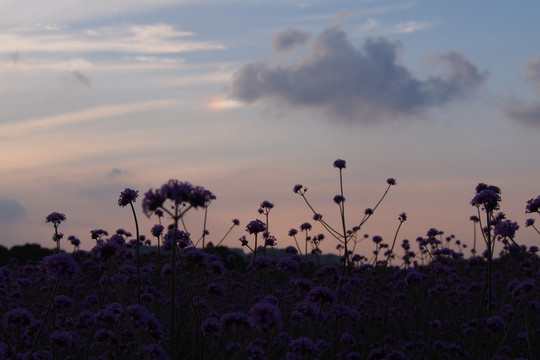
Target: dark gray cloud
288,39
527,114
11,211
356,84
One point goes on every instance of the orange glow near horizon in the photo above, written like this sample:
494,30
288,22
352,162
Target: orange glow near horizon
221,103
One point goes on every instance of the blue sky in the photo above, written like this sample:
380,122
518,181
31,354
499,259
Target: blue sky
249,98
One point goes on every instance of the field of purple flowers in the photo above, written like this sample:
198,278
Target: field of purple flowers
169,296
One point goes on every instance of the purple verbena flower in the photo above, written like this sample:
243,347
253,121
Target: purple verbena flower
338,199
297,188
529,222
157,230
506,228
60,265
533,205
340,164
127,197
391,181
305,226
265,317
255,226
487,196
55,218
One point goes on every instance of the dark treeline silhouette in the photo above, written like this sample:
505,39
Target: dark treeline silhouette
23,253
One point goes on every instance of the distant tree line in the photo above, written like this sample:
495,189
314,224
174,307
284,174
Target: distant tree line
23,253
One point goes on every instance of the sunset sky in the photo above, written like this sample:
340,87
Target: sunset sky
249,98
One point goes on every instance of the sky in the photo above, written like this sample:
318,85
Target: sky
249,98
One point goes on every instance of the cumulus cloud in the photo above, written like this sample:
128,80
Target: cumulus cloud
288,39
11,211
528,114
353,84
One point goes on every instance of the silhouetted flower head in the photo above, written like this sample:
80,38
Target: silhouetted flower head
55,218
529,222
338,199
98,233
267,204
474,218
157,230
127,197
377,239
243,240
391,181
402,217
432,233
236,222
74,240
340,164
506,228
533,205
305,226
255,226
177,192
297,188
293,232
487,196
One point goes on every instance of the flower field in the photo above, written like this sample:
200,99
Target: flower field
169,296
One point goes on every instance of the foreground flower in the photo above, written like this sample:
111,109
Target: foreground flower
487,196
533,205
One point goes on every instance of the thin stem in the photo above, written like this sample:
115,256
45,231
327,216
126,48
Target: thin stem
137,255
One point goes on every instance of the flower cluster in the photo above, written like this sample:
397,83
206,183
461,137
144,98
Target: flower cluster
178,193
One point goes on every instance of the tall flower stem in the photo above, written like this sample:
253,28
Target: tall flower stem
137,254
172,305
246,300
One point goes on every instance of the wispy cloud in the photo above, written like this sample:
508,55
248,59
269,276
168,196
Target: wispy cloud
527,114
352,84
133,39
50,123
289,38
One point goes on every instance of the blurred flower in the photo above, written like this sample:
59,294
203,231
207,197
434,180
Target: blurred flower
265,317
529,222
505,228
157,230
391,181
340,164
533,205
305,226
338,199
60,265
297,188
